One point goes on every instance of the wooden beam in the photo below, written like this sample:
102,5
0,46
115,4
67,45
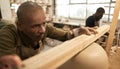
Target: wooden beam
58,55
113,27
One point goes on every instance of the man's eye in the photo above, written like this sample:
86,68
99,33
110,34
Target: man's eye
35,26
44,23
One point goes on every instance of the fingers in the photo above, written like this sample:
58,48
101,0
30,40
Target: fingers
10,62
96,27
87,31
93,30
84,30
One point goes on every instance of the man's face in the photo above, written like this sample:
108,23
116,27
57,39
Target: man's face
34,26
98,16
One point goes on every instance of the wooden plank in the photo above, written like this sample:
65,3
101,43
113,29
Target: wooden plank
88,59
58,55
113,27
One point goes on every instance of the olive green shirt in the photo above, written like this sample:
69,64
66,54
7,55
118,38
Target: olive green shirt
13,41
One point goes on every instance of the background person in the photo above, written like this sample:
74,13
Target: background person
94,20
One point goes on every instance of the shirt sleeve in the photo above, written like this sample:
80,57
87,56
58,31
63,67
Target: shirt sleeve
7,41
57,33
90,22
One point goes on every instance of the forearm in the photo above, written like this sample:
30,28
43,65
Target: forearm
7,43
59,34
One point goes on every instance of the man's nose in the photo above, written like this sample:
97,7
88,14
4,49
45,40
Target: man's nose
42,29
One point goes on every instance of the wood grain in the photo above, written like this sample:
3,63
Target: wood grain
58,55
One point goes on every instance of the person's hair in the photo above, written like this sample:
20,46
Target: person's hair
100,9
26,8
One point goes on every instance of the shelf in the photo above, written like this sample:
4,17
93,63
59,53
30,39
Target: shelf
109,14
110,6
43,4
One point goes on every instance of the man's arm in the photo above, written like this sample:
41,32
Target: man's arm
57,33
63,35
7,41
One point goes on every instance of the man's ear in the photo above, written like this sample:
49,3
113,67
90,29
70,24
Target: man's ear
19,26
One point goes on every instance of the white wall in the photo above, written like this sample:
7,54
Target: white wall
5,9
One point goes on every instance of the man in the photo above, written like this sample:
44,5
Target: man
93,21
26,38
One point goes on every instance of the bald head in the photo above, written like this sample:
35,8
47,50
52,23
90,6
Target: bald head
25,10
31,21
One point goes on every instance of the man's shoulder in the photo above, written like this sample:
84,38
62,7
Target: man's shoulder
91,17
8,29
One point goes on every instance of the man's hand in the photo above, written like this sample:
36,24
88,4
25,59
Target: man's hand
84,30
96,27
10,62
